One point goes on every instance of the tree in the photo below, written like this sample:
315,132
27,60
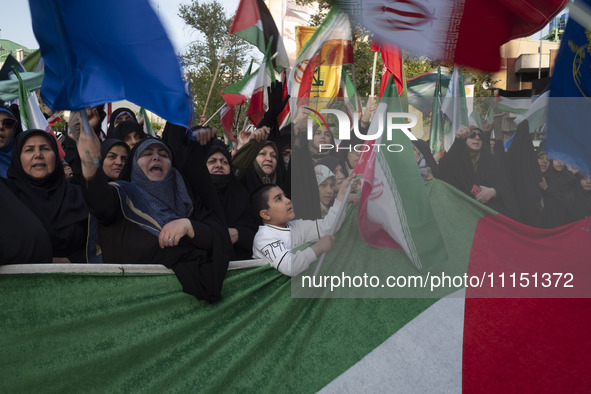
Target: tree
201,58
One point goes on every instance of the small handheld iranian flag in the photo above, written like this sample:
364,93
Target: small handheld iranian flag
148,129
31,115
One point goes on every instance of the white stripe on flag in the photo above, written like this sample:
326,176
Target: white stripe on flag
424,356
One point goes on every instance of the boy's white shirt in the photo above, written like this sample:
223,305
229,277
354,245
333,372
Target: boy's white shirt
276,243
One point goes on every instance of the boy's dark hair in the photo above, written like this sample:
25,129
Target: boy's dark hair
259,199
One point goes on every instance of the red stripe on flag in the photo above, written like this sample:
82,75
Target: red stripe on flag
528,344
392,58
247,15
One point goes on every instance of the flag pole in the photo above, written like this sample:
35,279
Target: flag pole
373,74
211,117
357,102
88,131
215,75
333,229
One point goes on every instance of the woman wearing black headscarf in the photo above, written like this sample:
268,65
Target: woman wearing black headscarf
119,115
558,195
114,154
129,131
582,204
256,163
242,224
37,178
472,169
150,216
9,128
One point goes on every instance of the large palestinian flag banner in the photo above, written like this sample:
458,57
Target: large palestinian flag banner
129,332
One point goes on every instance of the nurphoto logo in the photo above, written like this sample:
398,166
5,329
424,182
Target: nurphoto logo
393,120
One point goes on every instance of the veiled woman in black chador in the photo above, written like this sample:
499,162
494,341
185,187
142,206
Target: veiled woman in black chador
37,179
474,171
154,214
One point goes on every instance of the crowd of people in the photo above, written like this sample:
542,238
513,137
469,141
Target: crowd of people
187,201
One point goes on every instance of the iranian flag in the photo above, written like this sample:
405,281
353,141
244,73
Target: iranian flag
239,92
31,115
392,58
253,23
466,32
259,100
227,118
348,92
394,211
148,129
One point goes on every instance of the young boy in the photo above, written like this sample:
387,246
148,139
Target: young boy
279,233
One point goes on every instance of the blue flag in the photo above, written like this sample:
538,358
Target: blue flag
569,139
99,51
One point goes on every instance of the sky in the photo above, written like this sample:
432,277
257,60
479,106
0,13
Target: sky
15,24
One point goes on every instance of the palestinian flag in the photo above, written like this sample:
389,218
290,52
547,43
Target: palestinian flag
537,114
466,32
515,102
253,23
137,332
421,89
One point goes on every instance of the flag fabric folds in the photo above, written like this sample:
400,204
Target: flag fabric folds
31,115
421,89
239,92
259,101
253,23
392,58
454,107
513,101
53,324
94,55
329,46
9,83
570,89
227,118
466,32
437,120
394,211
537,114
348,92
142,114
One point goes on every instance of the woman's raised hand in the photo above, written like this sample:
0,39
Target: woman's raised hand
89,147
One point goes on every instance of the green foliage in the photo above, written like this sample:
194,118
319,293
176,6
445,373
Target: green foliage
201,58
157,127
60,126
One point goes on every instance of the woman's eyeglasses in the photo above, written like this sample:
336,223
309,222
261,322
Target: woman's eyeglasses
474,135
8,123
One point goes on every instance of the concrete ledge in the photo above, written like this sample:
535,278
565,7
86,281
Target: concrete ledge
109,268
